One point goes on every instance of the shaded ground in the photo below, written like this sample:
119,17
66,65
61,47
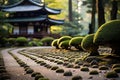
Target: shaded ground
18,73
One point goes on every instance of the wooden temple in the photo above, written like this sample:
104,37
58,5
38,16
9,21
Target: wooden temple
31,19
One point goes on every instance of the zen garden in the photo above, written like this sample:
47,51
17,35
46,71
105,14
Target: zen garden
59,39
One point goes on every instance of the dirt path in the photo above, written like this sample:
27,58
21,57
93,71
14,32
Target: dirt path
16,72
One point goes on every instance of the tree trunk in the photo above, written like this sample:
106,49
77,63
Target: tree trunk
70,10
100,10
114,10
92,24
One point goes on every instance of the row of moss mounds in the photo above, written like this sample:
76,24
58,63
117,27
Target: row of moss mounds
107,36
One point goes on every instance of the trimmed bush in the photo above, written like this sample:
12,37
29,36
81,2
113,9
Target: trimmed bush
117,70
64,44
103,68
12,41
76,42
67,73
54,43
111,74
60,71
77,77
94,72
63,38
21,41
88,45
86,69
108,34
47,41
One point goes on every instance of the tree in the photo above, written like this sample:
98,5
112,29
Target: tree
100,10
114,10
70,10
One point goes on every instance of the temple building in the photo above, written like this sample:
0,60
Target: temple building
31,19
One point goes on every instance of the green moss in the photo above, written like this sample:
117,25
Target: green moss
63,38
116,65
54,67
77,77
108,33
64,44
88,45
29,71
38,76
111,74
103,68
86,69
60,71
117,70
34,74
54,43
76,42
67,73
94,72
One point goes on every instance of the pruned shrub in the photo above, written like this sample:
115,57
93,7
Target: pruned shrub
12,41
54,43
108,34
88,45
63,38
47,41
76,42
77,77
64,44
21,41
111,74
94,72
67,73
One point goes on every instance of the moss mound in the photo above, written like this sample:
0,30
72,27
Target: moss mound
88,45
63,39
54,43
76,42
77,77
108,34
64,44
111,74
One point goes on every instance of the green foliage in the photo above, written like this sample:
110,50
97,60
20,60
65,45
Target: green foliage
54,43
35,43
47,41
63,38
64,44
3,42
88,45
12,41
21,41
76,42
111,74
